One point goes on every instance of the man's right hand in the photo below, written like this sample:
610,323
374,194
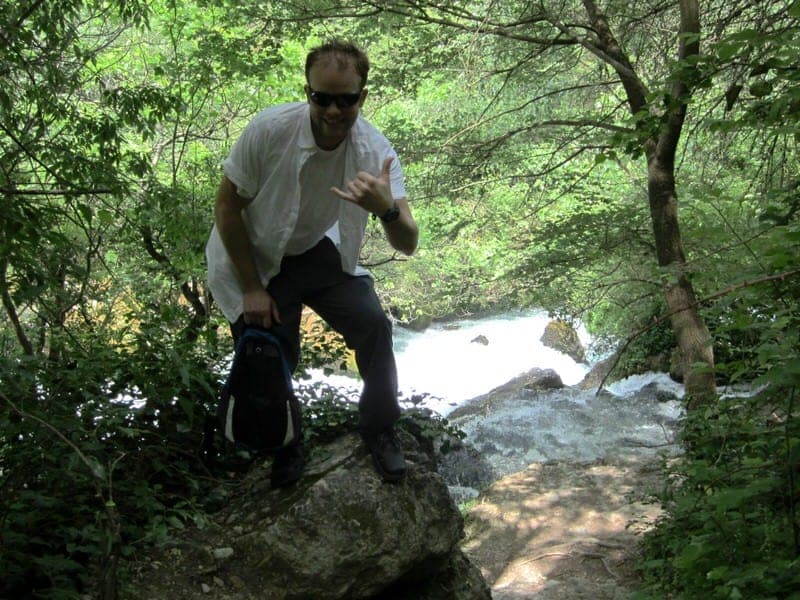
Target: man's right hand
260,309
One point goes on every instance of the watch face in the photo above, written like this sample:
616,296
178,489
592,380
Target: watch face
392,214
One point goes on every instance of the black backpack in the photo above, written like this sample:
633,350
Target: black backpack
257,410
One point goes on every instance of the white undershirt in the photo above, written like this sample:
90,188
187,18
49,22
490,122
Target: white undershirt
319,207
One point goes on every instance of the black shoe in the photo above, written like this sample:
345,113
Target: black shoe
288,465
386,454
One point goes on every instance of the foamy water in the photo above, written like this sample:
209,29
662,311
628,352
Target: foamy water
448,365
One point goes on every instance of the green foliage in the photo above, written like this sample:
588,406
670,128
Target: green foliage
327,412
110,134
524,174
731,529
322,348
123,468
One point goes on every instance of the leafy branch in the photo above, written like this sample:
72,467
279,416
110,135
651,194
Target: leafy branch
103,485
719,294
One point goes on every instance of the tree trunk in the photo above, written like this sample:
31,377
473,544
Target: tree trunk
693,337
694,340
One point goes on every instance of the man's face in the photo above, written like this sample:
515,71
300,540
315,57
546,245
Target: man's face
334,84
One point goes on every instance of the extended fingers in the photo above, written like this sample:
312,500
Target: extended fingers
356,191
359,188
343,195
365,190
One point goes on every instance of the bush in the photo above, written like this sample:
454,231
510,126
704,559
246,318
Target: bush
88,477
731,527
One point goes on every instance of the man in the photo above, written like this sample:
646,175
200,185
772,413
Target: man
290,215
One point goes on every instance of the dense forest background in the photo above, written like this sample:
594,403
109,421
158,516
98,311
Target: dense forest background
633,166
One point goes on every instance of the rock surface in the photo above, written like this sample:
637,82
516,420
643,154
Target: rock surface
599,373
560,336
563,531
534,380
570,475
340,532
510,431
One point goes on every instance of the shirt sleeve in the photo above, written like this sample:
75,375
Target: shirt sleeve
243,165
396,178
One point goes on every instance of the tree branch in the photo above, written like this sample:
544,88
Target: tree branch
714,296
188,292
11,311
689,46
478,25
609,50
76,192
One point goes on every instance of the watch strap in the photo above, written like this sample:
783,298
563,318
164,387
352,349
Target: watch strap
392,214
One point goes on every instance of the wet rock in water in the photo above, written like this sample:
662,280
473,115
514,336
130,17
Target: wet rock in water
561,336
480,339
542,379
652,390
599,372
419,323
534,380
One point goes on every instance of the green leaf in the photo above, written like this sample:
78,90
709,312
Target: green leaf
760,89
718,573
728,49
86,212
98,470
175,522
105,216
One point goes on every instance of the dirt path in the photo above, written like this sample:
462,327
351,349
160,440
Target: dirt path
562,531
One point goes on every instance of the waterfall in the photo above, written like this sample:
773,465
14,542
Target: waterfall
450,365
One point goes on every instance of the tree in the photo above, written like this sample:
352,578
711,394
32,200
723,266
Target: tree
611,82
111,114
660,145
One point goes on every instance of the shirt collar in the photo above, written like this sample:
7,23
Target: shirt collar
306,140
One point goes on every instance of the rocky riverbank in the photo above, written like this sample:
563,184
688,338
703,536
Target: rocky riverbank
339,533
560,482
563,530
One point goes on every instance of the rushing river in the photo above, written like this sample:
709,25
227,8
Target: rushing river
450,365
456,361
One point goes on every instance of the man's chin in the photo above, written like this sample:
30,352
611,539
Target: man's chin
336,128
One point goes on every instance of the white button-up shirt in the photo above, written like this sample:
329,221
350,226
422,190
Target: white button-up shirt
265,164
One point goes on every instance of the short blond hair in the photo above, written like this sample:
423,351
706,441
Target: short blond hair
342,51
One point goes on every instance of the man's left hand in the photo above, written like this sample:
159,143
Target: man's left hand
373,194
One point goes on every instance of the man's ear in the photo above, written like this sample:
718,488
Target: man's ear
364,94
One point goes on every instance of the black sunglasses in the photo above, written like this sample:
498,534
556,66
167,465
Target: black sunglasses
324,99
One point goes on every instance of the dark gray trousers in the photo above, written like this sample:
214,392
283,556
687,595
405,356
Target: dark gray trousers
350,306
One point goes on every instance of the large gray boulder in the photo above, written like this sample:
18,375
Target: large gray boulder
340,532
599,373
534,380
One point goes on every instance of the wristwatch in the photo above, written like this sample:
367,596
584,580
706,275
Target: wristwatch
392,214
